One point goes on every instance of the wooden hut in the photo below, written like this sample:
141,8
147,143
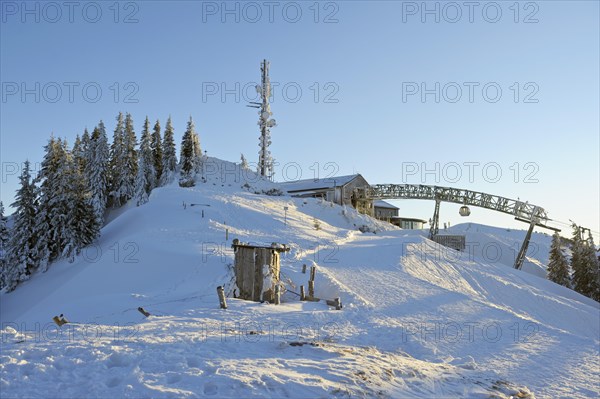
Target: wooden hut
257,270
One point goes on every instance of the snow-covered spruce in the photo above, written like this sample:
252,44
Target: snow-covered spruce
558,266
169,154
96,171
191,156
146,177
20,259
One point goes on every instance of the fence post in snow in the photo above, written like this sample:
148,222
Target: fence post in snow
311,289
311,282
277,294
302,294
222,300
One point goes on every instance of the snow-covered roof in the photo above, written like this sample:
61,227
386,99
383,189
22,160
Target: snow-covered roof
405,219
317,184
384,204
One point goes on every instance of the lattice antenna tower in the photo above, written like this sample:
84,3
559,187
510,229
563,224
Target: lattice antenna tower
265,122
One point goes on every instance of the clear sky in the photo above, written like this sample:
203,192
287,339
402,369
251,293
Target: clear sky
499,97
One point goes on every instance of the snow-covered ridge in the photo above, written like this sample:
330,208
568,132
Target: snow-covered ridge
416,321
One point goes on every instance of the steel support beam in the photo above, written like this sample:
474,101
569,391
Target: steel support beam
435,222
523,251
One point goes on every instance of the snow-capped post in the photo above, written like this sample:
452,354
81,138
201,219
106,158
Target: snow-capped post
313,272
222,299
302,294
277,294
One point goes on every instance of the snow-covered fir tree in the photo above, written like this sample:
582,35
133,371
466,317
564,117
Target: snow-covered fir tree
558,267
169,154
78,152
131,157
85,144
157,152
584,267
42,232
82,228
597,298
4,239
146,177
67,221
190,156
244,162
579,273
116,170
591,264
4,233
197,150
21,260
141,182
52,223
96,171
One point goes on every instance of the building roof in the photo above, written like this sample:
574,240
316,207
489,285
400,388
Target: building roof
274,246
384,204
405,219
317,184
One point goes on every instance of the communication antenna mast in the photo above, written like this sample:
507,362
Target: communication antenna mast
265,160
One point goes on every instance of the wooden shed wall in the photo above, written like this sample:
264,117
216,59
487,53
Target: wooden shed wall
249,262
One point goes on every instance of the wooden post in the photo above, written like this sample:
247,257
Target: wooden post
143,311
304,268
337,303
59,320
222,300
277,294
311,282
302,294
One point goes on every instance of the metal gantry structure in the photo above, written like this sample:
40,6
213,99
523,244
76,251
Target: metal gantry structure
522,211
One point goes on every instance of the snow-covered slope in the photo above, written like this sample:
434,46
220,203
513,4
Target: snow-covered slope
418,320
498,245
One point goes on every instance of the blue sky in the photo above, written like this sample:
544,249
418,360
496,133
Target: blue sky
361,68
